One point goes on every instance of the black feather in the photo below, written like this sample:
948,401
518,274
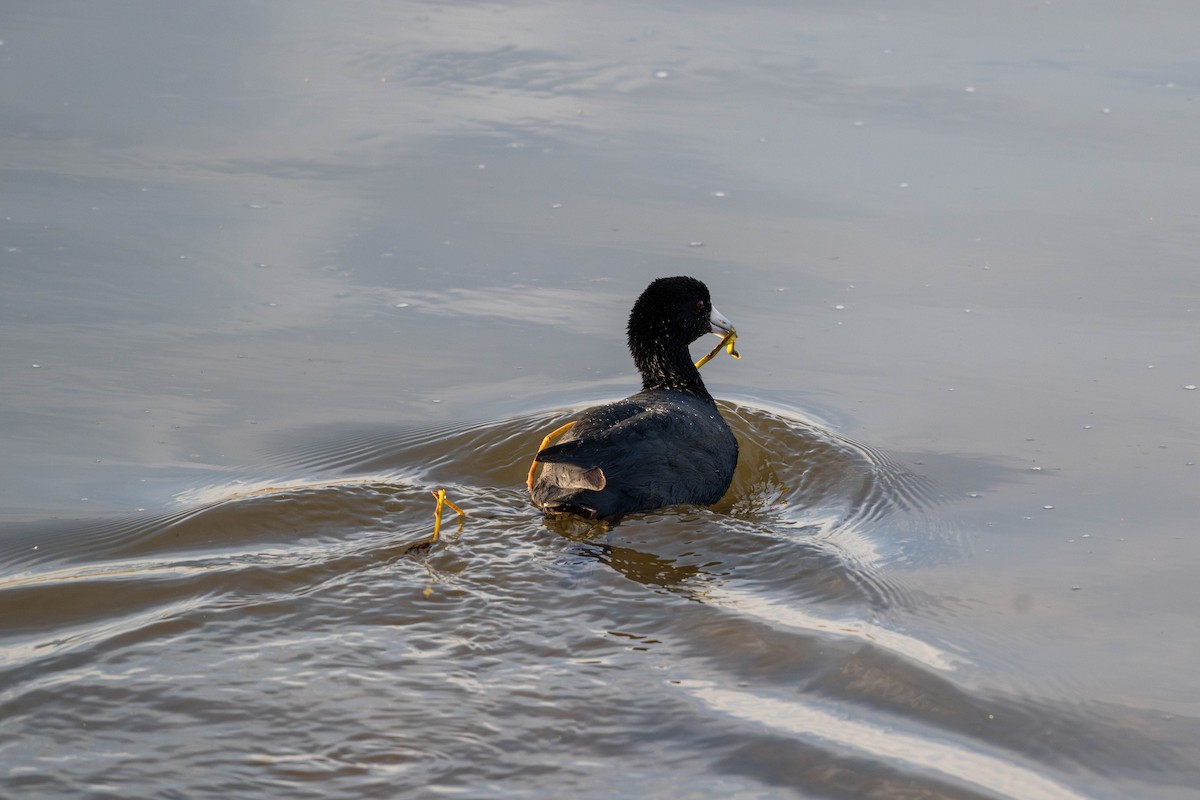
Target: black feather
665,445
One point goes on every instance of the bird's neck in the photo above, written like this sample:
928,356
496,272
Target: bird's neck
669,367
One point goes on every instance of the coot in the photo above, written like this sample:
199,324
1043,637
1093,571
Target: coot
665,445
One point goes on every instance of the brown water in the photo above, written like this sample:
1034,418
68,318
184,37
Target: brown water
271,273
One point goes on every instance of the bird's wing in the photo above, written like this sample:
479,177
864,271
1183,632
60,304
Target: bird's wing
601,448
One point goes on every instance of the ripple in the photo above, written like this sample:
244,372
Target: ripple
996,774
796,523
781,607
786,616
803,501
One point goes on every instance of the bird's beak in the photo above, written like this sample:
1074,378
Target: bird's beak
720,325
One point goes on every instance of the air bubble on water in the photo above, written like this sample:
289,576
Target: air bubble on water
1086,536
261,265
718,194
839,307
36,366
254,205
695,244
556,205
969,89
972,494
1191,387
436,401
483,166
1048,508
858,123
661,74
1087,427
401,305
273,305
904,186
1106,110
1036,469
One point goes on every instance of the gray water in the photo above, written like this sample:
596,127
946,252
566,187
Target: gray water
271,273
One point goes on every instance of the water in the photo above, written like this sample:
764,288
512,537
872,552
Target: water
271,274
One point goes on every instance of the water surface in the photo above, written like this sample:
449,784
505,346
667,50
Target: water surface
270,274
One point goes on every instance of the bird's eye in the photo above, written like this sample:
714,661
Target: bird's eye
699,305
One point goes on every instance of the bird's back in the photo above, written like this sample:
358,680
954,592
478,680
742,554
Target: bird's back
654,449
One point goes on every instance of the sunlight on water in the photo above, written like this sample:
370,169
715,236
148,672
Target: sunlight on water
232,493
884,741
789,616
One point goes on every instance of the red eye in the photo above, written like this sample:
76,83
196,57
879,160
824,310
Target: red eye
699,305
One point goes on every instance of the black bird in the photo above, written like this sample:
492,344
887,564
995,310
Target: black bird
665,445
